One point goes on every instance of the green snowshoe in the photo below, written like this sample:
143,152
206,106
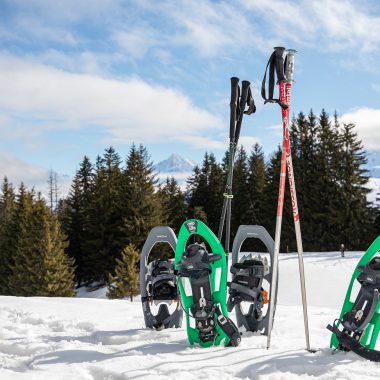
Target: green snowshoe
358,326
202,281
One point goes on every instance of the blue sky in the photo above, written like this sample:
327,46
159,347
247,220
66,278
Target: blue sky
77,76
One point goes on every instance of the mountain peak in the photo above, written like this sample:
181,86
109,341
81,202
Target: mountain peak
175,163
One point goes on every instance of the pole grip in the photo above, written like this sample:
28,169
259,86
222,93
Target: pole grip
233,106
289,66
279,52
243,101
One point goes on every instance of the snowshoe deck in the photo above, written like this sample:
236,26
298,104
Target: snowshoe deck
202,281
247,280
158,283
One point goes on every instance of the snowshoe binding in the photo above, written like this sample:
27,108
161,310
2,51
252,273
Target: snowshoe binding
158,283
202,284
358,327
247,285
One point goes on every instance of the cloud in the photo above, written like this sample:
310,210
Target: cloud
126,110
32,176
248,142
367,122
333,25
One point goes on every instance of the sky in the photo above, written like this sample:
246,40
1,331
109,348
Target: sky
78,76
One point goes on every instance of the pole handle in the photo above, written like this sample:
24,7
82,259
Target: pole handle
289,65
243,101
233,106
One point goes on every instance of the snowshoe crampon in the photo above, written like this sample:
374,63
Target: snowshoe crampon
158,283
202,284
358,326
251,281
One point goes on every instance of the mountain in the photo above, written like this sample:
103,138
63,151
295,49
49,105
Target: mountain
175,164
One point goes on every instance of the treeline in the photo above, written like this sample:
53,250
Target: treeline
330,177
96,233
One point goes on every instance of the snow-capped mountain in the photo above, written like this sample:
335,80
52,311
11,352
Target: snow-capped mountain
175,164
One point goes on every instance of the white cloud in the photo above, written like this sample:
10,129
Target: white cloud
248,142
367,122
128,110
32,176
324,24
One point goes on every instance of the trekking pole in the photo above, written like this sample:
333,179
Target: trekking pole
287,165
237,113
228,190
292,186
276,61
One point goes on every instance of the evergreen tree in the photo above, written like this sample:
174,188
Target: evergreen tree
125,283
327,161
74,215
173,206
40,266
240,188
104,234
356,215
205,191
142,209
257,181
7,239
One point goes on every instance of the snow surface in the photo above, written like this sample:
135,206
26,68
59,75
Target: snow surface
96,338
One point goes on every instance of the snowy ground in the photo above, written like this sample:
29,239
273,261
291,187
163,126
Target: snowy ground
95,338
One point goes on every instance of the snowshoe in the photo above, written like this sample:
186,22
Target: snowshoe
358,326
248,275
158,283
202,284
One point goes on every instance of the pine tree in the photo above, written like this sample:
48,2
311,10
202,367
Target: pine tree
74,215
7,240
205,191
104,237
173,206
125,283
357,216
142,209
41,268
257,181
241,201
327,161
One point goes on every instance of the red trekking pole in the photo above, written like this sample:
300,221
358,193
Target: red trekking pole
285,85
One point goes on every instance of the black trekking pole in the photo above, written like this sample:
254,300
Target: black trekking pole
228,190
237,106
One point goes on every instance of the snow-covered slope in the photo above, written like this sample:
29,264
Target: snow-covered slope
81,338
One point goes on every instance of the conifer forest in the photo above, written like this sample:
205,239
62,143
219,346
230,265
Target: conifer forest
93,236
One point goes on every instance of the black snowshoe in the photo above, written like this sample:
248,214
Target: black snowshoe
248,275
158,283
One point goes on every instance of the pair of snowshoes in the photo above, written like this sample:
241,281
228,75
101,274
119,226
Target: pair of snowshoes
358,326
202,284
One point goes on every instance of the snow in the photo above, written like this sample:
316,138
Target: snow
96,338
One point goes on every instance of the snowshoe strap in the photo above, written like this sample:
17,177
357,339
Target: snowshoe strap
254,293
229,327
367,299
276,66
351,344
